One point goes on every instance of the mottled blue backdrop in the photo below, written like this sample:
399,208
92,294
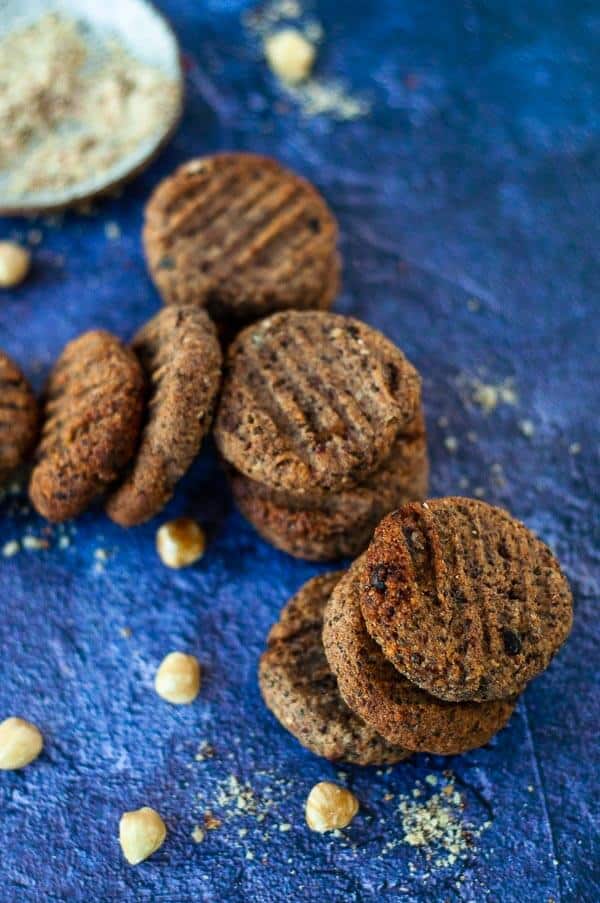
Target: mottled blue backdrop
469,218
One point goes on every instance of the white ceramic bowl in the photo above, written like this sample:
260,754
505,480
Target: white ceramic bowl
147,36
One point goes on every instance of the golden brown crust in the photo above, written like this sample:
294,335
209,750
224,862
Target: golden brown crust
375,690
180,354
313,401
299,688
18,418
92,418
241,235
463,599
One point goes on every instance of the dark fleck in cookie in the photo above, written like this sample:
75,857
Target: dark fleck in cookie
18,418
339,524
377,692
313,401
92,418
300,690
463,599
180,354
242,236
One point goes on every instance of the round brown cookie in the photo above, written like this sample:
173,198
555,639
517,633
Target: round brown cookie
18,418
343,523
403,474
180,354
377,692
241,235
298,687
93,413
463,599
313,401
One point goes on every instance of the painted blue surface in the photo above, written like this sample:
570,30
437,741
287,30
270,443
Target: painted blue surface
474,177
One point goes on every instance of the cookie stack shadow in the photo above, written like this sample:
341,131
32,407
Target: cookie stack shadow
425,643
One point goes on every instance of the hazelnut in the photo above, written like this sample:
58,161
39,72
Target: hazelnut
14,264
178,678
290,55
329,807
20,743
141,833
180,542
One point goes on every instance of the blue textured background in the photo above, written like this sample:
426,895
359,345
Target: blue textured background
474,177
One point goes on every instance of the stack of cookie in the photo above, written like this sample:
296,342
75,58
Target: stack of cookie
425,643
321,426
123,422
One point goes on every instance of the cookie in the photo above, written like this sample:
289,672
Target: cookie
463,599
313,401
181,357
241,235
299,688
340,524
406,466
18,418
92,419
389,703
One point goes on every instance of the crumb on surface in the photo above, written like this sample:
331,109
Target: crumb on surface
314,96
527,427
290,55
10,548
211,822
112,230
198,834
34,543
205,751
436,824
35,236
488,396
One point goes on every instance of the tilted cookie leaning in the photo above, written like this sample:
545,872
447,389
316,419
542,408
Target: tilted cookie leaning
18,418
181,357
92,418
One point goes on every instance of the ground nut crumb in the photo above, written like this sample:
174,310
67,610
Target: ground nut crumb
73,104
330,807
